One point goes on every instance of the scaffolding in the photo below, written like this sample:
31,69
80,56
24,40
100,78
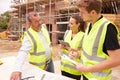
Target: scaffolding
57,10
55,14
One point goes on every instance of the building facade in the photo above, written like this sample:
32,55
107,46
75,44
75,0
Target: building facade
55,14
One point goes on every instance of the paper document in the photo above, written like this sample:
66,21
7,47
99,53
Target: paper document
29,71
68,58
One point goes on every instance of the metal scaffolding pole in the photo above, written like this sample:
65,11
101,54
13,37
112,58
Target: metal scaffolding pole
49,13
26,13
19,20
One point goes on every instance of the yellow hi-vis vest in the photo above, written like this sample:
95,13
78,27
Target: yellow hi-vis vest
37,53
75,43
93,50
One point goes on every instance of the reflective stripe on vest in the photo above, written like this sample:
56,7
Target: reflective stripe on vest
94,51
80,45
68,36
65,64
68,65
35,46
66,33
94,56
67,39
38,64
37,55
101,74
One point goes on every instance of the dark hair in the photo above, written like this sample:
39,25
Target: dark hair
90,5
79,20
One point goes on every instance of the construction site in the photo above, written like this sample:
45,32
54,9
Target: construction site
55,14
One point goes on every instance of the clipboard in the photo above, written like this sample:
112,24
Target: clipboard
64,43
69,59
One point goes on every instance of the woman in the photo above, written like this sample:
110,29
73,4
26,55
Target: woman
74,38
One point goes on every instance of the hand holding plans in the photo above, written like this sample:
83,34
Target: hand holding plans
64,43
68,58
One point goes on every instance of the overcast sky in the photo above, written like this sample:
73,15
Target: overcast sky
4,5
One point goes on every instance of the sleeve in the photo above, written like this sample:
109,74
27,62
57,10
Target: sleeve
22,54
111,41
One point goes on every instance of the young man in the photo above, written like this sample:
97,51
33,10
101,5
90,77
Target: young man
101,50
35,41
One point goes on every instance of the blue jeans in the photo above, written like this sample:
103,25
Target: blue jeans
50,67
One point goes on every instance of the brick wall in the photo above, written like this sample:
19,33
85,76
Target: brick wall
114,18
